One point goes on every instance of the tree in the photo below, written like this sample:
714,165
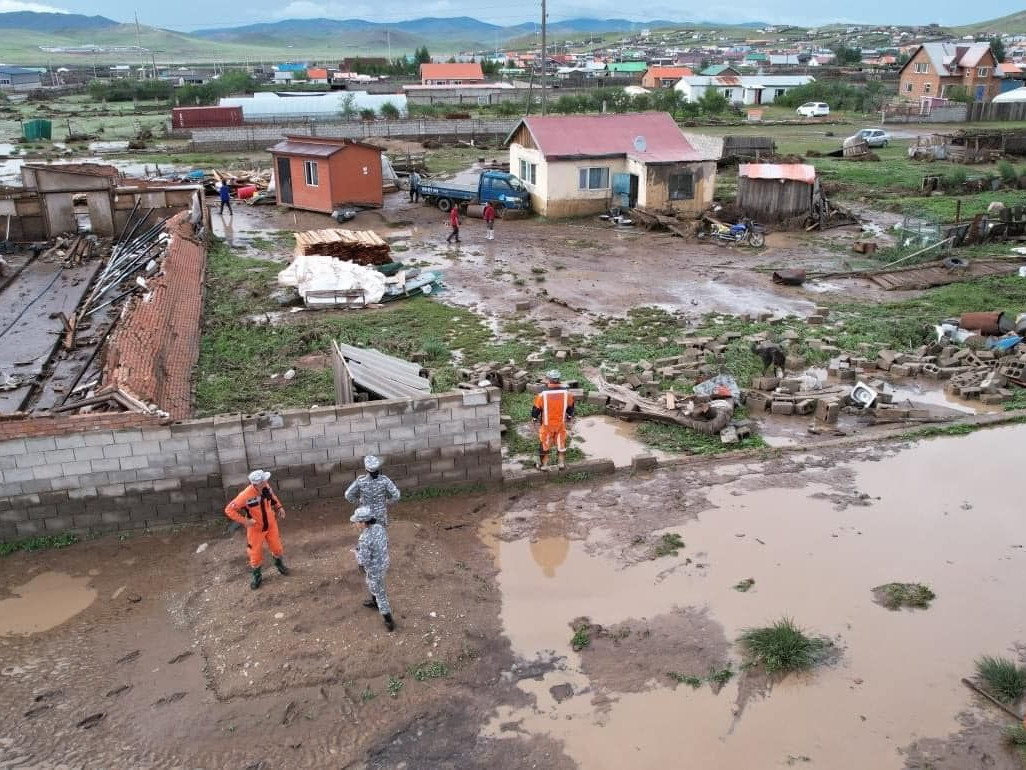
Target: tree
236,82
997,47
389,111
846,55
958,94
367,114
421,55
713,102
348,110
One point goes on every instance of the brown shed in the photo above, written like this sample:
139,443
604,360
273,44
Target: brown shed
320,173
774,192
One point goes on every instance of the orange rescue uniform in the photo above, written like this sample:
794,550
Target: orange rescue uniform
552,408
257,505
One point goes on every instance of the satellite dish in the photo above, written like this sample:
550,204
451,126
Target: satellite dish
640,144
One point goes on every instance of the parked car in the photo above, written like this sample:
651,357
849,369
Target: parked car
874,137
813,110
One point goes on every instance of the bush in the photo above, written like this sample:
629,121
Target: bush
1005,680
839,95
125,90
508,109
955,178
713,102
367,114
389,111
783,647
1008,172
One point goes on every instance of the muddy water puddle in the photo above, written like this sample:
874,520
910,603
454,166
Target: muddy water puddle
814,557
607,438
44,602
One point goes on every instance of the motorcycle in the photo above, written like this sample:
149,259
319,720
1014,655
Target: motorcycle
746,233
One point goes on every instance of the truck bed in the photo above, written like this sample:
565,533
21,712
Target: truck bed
448,190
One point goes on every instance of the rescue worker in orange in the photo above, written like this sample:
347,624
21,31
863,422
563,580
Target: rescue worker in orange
258,509
553,411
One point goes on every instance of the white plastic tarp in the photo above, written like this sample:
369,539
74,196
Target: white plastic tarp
315,273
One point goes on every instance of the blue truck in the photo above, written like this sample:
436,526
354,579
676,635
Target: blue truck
504,191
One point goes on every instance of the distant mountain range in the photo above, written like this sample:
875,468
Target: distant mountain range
23,33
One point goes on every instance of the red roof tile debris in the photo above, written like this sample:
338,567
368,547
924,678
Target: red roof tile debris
608,136
466,71
154,350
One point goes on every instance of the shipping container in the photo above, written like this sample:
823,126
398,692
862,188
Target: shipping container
205,117
33,130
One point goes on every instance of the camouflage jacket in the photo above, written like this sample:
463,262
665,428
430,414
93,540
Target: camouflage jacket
376,494
372,549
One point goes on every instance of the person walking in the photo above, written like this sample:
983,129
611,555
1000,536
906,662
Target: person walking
258,509
372,558
489,220
454,223
553,411
374,490
414,182
226,199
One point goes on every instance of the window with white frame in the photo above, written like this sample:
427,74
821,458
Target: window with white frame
528,172
310,173
595,178
926,87
727,92
908,87
921,67
779,92
983,72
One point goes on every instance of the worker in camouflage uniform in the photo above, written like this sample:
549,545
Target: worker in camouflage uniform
374,490
372,556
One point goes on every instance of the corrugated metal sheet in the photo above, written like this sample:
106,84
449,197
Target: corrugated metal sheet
796,172
264,105
596,136
291,147
384,375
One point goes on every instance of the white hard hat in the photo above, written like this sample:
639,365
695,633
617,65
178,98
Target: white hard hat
361,514
259,477
372,463
553,375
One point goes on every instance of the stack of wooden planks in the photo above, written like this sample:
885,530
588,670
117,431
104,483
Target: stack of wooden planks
364,247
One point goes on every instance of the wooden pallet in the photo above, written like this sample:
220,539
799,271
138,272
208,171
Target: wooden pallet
935,274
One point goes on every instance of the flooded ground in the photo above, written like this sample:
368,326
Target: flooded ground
814,551
611,439
151,667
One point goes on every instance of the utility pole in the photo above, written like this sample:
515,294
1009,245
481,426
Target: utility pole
544,104
138,42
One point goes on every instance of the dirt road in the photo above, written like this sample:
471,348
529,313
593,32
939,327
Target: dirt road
152,651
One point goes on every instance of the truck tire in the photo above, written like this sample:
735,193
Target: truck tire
500,210
444,204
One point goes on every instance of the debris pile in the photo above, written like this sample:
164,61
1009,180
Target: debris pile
364,247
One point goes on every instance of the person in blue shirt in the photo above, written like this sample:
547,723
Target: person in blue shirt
226,200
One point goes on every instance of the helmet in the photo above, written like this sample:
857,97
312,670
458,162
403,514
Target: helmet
361,514
373,463
553,375
259,477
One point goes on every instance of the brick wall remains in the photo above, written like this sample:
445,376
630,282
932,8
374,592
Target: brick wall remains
145,474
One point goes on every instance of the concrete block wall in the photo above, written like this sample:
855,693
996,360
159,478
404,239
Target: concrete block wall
122,478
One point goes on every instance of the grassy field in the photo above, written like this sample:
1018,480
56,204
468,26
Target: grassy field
112,121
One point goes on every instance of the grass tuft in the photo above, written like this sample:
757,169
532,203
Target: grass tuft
39,543
1015,736
783,647
669,544
688,679
394,686
431,670
894,596
581,637
1004,679
744,585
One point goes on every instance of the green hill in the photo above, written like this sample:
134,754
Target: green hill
1013,24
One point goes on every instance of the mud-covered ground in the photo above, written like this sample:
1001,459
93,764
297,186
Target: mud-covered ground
543,627
574,271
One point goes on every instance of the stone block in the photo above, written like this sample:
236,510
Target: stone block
899,370
782,407
757,401
805,406
815,320
791,385
644,462
766,383
729,435
828,410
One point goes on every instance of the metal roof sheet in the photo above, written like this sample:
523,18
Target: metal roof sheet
452,71
591,136
797,172
292,147
384,375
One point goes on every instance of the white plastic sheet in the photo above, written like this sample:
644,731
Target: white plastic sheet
314,273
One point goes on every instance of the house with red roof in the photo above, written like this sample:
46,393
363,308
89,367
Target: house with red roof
664,77
450,74
575,165
937,68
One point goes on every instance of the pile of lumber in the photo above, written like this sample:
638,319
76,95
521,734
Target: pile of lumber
259,179
364,247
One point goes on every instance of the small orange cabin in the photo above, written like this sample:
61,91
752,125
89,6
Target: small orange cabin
320,173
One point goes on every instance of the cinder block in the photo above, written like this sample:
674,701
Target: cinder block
402,432
40,444
644,462
828,410
27,528
782,407
115,450
99,438
475,398
805,406
132,463
162,434
14,475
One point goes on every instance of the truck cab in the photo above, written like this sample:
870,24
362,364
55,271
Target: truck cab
503,190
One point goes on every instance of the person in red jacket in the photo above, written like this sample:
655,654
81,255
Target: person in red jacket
258,509
454,223
489,220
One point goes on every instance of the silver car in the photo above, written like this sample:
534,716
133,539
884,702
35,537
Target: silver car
874,137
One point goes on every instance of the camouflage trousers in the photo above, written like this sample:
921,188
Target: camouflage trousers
376,586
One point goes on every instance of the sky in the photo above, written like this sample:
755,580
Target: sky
196,14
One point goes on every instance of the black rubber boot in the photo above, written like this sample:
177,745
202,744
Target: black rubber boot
281,566
371,603
389,623
257,579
